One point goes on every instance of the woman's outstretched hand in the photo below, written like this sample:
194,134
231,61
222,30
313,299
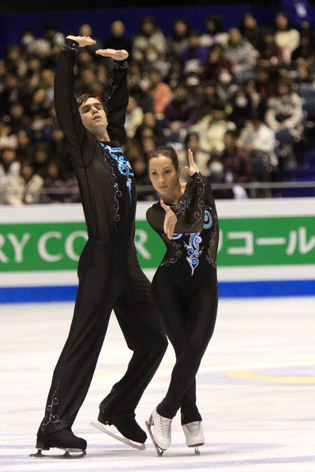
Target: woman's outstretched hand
82,40
192,168
116,54
170,220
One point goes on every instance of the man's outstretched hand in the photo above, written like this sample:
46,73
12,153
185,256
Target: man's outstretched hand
82,40
116,54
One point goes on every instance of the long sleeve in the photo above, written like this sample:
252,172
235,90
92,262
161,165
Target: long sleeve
189,209
117,102
191,206
67,111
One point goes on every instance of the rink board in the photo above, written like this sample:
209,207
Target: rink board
267,248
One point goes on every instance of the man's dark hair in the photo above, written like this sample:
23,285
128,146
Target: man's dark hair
83,98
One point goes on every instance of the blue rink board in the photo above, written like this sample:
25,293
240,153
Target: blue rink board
279,288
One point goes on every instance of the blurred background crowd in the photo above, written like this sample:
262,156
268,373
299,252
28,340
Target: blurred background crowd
242,99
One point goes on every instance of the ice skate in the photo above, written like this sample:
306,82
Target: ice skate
194,435
64,440
161,434
128,430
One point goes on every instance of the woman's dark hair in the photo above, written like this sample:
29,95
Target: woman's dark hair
165,151
83,98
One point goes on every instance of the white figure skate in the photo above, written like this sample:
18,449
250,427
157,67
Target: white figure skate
194,435
161,434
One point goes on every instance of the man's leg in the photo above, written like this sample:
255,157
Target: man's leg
144,335
74,370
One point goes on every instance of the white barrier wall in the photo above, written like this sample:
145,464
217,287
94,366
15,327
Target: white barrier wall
267,248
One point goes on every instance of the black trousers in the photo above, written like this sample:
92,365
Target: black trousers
109,278
188,307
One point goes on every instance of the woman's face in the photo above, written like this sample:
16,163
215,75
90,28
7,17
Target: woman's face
163,175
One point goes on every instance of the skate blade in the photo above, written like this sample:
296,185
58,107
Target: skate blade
66,454
159,451
122,439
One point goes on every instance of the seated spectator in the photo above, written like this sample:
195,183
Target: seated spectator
24,145
56,188
201,157
241,108
144,100
284,115
286,38
226,86
7,139
160,92
240,52
260,142
18,119
118,38
148,34
212,129
47,83
214,32
134,74
194,89
154,60
270,55
25,188
41,157
250,87
88,83
209,98
215,62
194,55
27,39
85,59
177,42
303,57
150,127
263,83
9,165
134,117
249,29
86,30
180,113
11,93
15,60
174,74
236,162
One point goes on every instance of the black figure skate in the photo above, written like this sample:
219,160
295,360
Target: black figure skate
130,432
65,440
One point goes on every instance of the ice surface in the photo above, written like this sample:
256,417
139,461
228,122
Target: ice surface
256,391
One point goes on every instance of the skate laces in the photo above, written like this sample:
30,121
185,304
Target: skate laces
194,427
164,426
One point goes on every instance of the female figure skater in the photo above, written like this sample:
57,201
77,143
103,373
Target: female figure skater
109,272
184,288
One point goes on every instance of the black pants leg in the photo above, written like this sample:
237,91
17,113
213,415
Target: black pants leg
103,278
189,319
142,329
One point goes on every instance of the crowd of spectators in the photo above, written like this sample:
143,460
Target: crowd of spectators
231,96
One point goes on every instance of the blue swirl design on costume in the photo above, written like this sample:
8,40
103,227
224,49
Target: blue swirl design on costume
193,251
194,241
123,165
207,220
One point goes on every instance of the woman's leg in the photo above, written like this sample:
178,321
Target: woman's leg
190,325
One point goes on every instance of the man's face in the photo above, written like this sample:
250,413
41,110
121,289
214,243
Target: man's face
93,115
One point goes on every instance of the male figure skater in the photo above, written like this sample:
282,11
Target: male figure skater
109,273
